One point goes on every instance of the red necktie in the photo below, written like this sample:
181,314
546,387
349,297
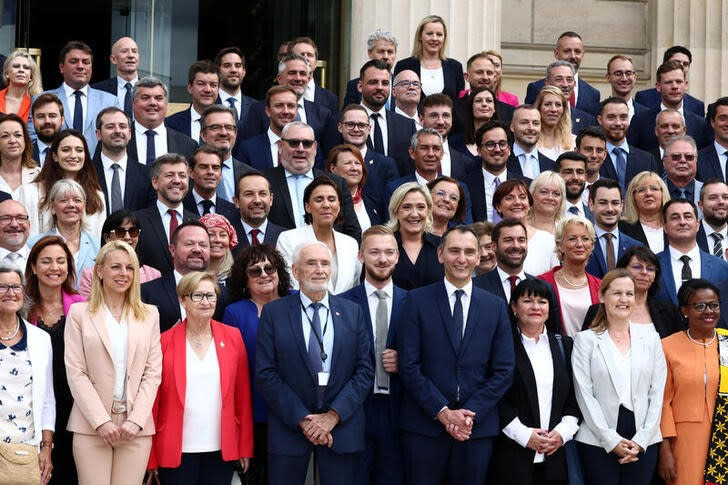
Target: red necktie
513,280
254,237
572,99
173,223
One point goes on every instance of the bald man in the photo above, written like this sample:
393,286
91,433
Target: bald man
407,91
125,56
14,232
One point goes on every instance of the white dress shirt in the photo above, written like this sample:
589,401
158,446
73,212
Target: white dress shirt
106,162
327,326
194,123
446,162
680,109
489,181
160,141
296,198
655,238
373,302
576,89
709,231
177,278
579,206
585,193
301,110
465,299
309,94
530,166
262,228
18,258
71,99
237,97
677,265
119,340
506,282
198,203
382,121
630,105
166,218
274,139
121,89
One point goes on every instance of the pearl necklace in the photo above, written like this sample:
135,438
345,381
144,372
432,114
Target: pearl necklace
15,333
706,345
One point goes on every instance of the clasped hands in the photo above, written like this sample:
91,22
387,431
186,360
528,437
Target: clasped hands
545,441
627,451
317,427
457,422
111,433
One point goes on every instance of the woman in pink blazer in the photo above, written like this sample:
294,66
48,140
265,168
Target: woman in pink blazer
113,362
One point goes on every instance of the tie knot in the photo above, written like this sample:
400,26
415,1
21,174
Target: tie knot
685,259
78,94
380,294
717,236
254,232
206,203
513,279
127,86
496,181
608,236
573,210
618,151
12,257
376,116
115,166
172,213
150,133
231,102
459,294
316,306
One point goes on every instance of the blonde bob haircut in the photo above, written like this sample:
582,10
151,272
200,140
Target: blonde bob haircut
563,127
133,304
545,178
600,322
192,280
396,201
561,229
417,44
35,86
631,214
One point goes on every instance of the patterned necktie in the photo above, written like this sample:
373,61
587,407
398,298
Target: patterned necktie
718,245
231,101
382,329
78,112
609,247
687,273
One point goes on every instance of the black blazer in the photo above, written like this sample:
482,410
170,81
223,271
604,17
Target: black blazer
245,103
176,143
652,99
641,131
452,72
665,317
709,164
513,165
381,170
153,245
635,231
254,152
281,211
138,190
352,96
222,207
512,463
180,121
327,99
503,111
426,270
580,120
461,166
637,161
399,131
109,85
272,231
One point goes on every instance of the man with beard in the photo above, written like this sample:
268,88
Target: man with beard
390,132
202,198
407,91
623,161
681,166
713,232
493,140
203,84
14,232
622,76
231,63
712,159
47,115
437,113
158,223
382,303
381,45
572,168
605,202
591,143
253,199
526,160
124,181
125,56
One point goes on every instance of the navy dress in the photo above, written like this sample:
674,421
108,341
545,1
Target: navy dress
426,270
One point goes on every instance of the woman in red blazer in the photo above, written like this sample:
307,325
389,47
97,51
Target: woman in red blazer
203,412
576,290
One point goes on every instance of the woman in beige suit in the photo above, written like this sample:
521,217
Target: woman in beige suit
113,361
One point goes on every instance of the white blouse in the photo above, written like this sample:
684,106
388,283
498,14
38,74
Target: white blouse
574,305
119,339
542,257
623,373
202,421
655,238
433,81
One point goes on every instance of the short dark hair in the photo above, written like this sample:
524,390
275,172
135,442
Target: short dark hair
252,173
604,183
318,182
568,33
187,223
373,63
462,229
204,149
74,45
304,40
666,67
44,99
116,219
643,253
216,108
532,287
507,222
492,125
677,49
570,155
437,99
712,109
678,201
475,57
107,110
690,287
204,66
707,182
611,100
228,50
355,107
593,131
166,159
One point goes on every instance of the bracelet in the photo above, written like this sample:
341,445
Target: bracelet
46,444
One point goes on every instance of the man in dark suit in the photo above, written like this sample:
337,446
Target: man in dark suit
592,143
671,84
526,159
390,132
669,123
47,115
306,47
382,303
125,56
231,63
253,200
219,131
652,98
314,381
681,166
570,48
605,202
713,233
623,161
456,363
125,182
713,158
290,178
150,137
561,74
622,76
572,168
381,45
682,258
203,82
157,223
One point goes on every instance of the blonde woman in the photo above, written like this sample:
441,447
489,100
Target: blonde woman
548,191
23,81
642,217
556,137
114,364
223,239
438,73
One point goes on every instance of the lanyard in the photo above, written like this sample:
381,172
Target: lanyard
319,338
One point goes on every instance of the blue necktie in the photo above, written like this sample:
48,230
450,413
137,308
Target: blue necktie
231,102
221,190
621,166
127,101
681,195
573,210
150,147
457,316
300,188
78,112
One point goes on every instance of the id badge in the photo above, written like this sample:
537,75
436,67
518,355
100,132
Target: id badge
323,378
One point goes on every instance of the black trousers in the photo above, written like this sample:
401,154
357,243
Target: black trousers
199,469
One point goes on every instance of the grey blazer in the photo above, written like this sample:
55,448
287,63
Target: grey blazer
593,365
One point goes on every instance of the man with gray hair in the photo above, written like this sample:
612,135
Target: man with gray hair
562,75
14,232
407,92
681,166
668,124
381,45
150,138
295,170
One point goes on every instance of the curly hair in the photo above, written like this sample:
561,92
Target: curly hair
238,279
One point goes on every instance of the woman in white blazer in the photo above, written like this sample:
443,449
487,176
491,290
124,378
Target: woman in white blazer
322,207
619,378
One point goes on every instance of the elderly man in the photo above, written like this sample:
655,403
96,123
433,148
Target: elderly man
315,398
381,45
14,232
681,166
563,75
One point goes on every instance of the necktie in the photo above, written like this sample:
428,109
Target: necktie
206,206
231,102
127,101
496,217
621,165
78,112
173,222
300,188
681,194
457,316
514,281
14,258
687,273
573,210
718,245
254,237
150,147
43,156
572,99
609,246
378,139
116,200
314,349
527,165
298,113
221,190
382,328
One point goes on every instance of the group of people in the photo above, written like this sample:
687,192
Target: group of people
431,283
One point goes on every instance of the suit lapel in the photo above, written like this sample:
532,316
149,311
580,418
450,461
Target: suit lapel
608,355
98,320
339,333
179,343
608,170
474,312
158,228
599,255
638,354
525,370
443,304
668,279
399,296
61,93
133,335
280,175
91,103
296,324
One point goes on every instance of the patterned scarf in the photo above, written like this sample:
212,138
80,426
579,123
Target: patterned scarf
716,465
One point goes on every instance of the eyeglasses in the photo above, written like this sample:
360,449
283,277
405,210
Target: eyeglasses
350,125
17,289
222,127
639,268
698,307
446,195
619,74
197,296
409,84
120,231
676,157
9,219
256,271
294,142
490,145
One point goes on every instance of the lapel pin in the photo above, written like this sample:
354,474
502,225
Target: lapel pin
338,314
371,162
222,345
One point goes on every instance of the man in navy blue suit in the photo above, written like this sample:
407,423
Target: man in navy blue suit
253,200
306,47
622,76
681,166
672,85
381,45
713,233
682,258
572,168
47,114
592,143
669,123
203,83
125,56
561,74
455,362
382,303
314,370
526,159
623,161
605,202
231,63
713,158
570,48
